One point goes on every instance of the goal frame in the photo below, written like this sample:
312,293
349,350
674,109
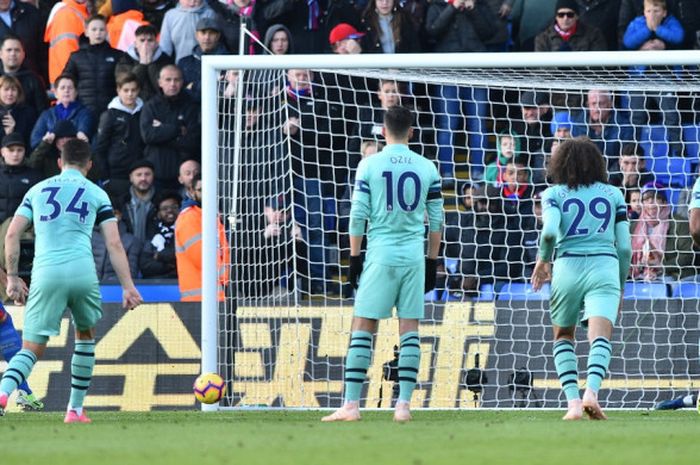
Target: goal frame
212,65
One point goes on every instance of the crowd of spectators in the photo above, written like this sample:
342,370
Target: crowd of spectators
125,76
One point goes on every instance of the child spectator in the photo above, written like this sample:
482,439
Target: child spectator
118,143
562,125
634,203
507,146
93,66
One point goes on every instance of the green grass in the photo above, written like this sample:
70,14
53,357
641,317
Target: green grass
284,437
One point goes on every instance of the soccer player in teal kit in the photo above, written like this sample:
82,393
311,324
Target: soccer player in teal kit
393,191
63,209
585,219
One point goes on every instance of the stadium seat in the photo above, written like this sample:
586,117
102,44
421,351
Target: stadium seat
691,139
645,291
522,291
687,290
672,171
654,141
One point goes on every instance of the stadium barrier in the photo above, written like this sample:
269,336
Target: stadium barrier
147,359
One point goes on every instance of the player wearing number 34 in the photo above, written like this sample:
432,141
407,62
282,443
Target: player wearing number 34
585,219
393,191
64,210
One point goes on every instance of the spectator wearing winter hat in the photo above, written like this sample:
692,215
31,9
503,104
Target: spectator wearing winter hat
562,125
45,156
568,34
137,204
344,39
118,142
208,38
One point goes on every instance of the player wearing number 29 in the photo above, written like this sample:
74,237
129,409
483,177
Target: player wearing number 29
63,209
393,190
585,219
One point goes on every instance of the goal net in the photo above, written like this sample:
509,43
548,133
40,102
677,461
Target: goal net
283,137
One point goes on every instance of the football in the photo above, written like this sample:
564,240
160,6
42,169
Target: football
209,388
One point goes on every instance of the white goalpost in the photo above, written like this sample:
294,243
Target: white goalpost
273,145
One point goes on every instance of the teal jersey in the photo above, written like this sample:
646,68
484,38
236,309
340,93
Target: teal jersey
587,218
393,191
695,196
64,210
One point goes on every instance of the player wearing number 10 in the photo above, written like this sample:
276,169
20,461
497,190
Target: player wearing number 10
393,190
64,209
585,218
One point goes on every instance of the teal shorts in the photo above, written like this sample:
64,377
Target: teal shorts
53,289
384,287
591,283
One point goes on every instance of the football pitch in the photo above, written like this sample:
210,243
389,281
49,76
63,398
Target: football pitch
295,437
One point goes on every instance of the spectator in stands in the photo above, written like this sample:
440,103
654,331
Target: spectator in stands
12,56
65,25
93,67
661,244
15,116
23,20
132,247
177,34
45,156
602,15
562,125
388,29
67,108
535,122
507,146
154,11
145,59
188,249
655,30
605,125
126,17
306,22
118,143
137,205
500,41
568,34
634,203
170,127
157,260
539,163
460,238
188,170
208,37
460,26
633,173
344,39
529,19
278,40
630,9
16,177
229,15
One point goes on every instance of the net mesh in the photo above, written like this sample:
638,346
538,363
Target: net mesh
286,166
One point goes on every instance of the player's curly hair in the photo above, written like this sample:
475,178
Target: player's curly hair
577,162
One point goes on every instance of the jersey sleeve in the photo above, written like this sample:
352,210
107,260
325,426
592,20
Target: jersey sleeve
434,202
551,220
361,201
695,196
26,208
620,208
104,209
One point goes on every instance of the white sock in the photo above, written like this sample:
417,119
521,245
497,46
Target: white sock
78,410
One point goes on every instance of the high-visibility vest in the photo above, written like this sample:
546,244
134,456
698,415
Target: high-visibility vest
122,27
188,253
63,28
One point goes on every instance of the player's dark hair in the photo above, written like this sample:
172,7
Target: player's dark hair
577,162
76,152
398,121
